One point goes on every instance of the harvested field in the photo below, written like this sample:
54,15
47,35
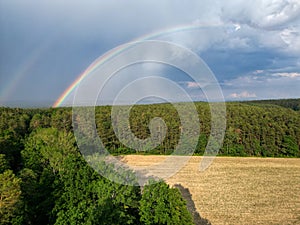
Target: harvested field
240,190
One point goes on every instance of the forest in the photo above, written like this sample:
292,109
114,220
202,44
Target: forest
45,180
252,129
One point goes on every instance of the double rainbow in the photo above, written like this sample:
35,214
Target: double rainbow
112,53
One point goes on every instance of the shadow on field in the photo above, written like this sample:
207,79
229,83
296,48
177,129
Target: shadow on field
191,205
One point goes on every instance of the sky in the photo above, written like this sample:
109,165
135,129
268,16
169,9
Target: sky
252,47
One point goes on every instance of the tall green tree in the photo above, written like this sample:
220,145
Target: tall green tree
163,205
88,198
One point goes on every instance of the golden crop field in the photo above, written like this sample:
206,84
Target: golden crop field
239,190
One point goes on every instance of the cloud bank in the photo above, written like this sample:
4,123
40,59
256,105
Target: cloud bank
252,47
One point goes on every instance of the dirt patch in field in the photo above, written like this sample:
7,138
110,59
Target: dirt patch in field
239,190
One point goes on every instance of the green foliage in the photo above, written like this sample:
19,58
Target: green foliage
58,187
44,153
48,146
293,104
289,146
9,195
88,198
259,130
37,196
45,180
163,205
4,165
13,128
253,129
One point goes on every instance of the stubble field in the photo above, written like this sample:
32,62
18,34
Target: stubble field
239,190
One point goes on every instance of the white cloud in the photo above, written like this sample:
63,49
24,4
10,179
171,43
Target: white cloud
258,71
291,37
237,26
272,24
266,85
191,84
244,94
267,14
290,75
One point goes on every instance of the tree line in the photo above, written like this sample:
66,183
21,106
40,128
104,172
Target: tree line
266,130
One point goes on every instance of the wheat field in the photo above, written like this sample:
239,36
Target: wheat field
236,190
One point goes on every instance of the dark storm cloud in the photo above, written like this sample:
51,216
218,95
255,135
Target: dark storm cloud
45,45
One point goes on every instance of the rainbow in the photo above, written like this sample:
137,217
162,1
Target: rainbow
24,68
102,59
112,53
